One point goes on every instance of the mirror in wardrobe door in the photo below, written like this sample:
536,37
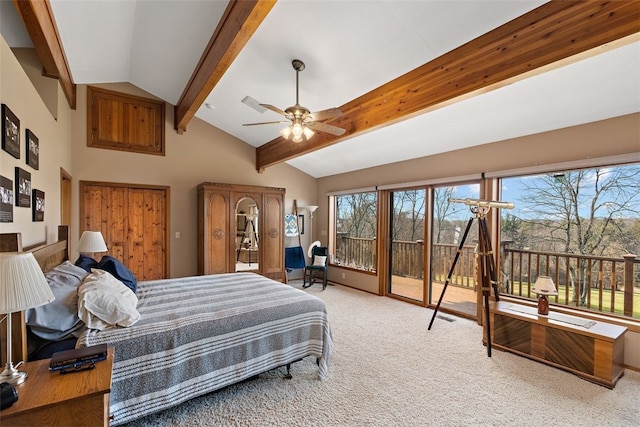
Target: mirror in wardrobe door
247,241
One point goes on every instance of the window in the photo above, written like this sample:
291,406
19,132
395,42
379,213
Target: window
576,226
356,218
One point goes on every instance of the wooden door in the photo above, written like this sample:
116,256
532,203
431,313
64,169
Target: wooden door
134,222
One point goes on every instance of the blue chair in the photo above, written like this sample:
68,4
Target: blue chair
317,268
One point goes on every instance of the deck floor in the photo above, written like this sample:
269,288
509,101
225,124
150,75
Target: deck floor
456,298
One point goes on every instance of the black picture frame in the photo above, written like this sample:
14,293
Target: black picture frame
23,188
10,132
38,205
301,224
6,199
33,149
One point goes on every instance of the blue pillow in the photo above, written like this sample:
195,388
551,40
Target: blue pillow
86,263
119,271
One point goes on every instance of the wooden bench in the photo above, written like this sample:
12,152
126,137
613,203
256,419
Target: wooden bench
592,350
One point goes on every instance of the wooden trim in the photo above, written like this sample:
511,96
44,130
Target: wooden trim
240,20
65,197
544,37
41,25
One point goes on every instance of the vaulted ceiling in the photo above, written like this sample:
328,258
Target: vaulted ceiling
413,78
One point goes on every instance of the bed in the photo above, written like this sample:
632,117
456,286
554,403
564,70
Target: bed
198,334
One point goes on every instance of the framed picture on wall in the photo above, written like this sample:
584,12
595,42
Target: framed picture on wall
6,199
23,188
33,149
301,223
38,205
10,132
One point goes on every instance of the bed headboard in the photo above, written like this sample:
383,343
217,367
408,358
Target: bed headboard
48,256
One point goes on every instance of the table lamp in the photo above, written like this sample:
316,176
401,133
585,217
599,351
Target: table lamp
22,286
544,286
91,242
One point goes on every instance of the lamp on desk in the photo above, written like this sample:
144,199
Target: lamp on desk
22,286
91,242
544,286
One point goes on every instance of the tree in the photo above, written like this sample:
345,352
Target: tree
357,214
581,212
408,215
446,223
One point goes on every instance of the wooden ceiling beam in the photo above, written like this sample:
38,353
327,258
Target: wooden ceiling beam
40,24
238,23
550,34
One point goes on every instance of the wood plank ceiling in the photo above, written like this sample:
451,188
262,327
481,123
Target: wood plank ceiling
552,34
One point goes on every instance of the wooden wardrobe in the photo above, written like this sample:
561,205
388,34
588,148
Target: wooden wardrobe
221,225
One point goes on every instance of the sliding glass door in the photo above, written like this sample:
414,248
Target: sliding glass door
450,220
406,258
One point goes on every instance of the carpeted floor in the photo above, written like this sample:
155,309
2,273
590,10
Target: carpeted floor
387,369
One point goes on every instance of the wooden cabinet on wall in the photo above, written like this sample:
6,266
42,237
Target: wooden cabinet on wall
221,229
119,121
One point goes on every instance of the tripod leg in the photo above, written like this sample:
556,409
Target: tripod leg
487,267
453,265
491,260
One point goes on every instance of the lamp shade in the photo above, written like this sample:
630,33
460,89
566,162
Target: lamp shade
91,241
544,286
312,209
22,283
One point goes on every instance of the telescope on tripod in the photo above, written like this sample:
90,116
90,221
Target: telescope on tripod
484,203
486,262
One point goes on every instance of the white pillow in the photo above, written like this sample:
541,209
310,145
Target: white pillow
320,261
105,302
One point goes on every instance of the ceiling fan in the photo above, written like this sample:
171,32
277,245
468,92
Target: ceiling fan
303,122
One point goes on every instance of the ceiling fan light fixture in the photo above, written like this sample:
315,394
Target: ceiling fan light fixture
308,133
297,132
302,120
286,132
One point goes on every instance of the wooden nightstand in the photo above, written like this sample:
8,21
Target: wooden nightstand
51,398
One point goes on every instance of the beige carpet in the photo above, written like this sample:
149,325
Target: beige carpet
387,369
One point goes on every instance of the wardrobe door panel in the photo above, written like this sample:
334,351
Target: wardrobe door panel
216,233
273,237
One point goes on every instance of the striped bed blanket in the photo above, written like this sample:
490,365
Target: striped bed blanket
199,334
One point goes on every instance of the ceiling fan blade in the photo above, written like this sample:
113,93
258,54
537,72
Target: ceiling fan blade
265,123
329,113
274,109
323,127
253,104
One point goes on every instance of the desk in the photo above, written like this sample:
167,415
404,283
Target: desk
51,398
591,350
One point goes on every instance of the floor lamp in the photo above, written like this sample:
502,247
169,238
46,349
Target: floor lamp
311,209
22,286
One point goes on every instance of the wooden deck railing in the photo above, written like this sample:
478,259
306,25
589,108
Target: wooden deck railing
601,284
